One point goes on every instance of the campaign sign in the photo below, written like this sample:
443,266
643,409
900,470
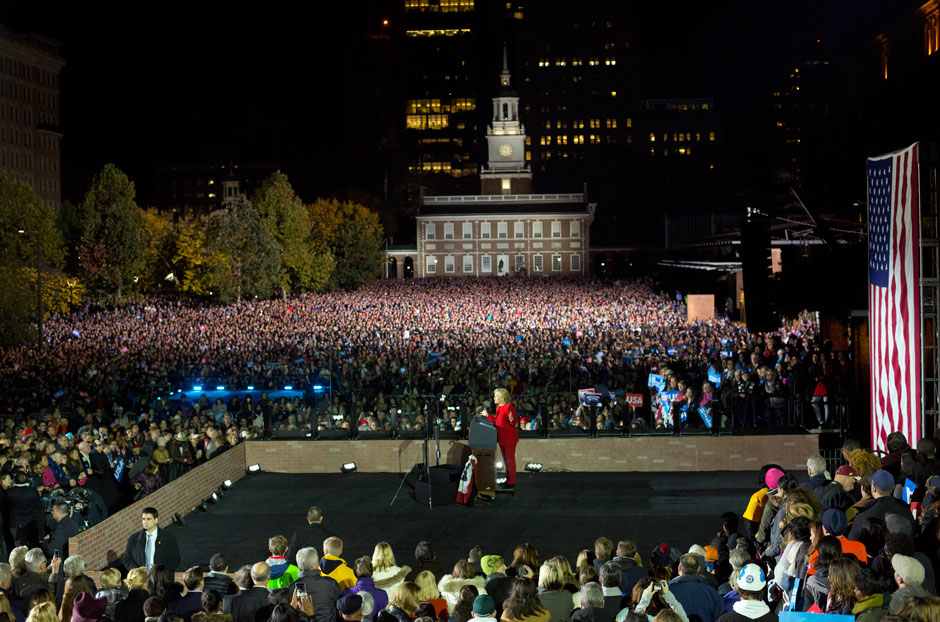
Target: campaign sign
656,381
714,377
706,418
633,399
667,398
590,398
909,488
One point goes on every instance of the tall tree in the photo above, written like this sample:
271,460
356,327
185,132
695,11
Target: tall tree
159,238
354,237
193,262
248,257
112,246
288,222
29,241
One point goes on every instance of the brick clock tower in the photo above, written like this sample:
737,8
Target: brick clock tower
506,171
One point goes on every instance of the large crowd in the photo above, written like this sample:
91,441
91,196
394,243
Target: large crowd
863,541
391,356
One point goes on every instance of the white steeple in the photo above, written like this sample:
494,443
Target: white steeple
505,137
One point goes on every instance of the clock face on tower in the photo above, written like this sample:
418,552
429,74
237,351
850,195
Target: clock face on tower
505,150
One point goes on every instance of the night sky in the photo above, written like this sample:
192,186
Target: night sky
190,81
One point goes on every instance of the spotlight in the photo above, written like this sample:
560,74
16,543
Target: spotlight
288,387
318,387
499,465
178,520
214,497
227,484
197,387
203,507
251,387
254,468
349,467
533,467
220,387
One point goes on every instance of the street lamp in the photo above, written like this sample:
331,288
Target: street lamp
71,285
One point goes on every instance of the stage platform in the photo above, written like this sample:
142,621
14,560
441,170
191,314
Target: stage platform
618,487
560,513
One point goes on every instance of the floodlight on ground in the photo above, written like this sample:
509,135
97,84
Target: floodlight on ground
349,467
533,467
251,387
254,468
288,387
227,484
197,387
203,507
317,388
214,497
220,387
499,465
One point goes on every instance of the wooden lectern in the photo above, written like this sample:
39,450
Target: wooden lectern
483,446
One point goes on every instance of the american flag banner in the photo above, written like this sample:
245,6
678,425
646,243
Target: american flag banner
894,296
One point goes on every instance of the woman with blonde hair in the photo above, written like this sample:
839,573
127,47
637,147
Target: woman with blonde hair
43,612
585,558
402,605
428,593
131,609
73,587
385,573
569,581
462,575
552,593
112,589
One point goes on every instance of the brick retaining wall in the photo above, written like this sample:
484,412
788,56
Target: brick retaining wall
104,543
650,453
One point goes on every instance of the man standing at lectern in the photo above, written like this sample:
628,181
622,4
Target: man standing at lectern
507,434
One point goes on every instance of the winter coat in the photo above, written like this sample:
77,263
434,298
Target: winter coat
449,588
390,578
367,584
558,603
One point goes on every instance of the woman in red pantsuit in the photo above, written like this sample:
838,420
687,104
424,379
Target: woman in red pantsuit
507,432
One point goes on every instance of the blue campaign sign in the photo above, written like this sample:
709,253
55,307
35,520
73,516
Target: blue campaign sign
909,488
119,469
671,351
590,398
657,382
801,616
667,397
714,377
706,418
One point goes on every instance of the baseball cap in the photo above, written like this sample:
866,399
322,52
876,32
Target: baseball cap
349,605
484,605
711,553
660,556
834,521
882,480
489,563
847,469
752,578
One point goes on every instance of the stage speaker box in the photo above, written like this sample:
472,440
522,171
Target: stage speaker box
333,434
442,488
290,434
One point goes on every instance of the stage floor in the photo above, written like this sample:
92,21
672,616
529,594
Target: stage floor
560,513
